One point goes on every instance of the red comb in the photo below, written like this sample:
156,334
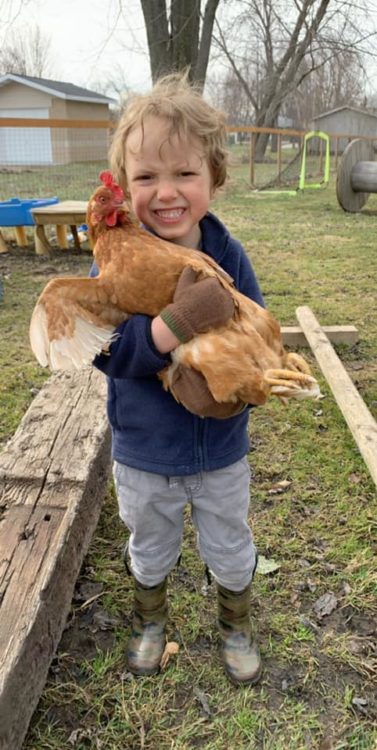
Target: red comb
108,180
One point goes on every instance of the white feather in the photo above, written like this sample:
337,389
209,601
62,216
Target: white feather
67,353
38,335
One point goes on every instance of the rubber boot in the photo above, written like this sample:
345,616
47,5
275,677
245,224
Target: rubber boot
147,641
241,657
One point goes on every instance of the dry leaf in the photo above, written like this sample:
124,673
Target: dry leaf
171,648
265,566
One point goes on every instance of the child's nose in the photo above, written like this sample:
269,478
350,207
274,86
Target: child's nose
166,190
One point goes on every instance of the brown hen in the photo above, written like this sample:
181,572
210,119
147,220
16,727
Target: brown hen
74,318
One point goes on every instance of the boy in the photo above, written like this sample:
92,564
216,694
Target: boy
168,155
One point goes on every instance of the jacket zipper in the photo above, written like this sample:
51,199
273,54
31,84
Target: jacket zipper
199,433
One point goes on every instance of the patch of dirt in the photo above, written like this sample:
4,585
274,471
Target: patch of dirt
57,262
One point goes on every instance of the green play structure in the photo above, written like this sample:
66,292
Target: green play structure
303,184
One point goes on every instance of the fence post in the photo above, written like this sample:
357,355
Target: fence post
252,158
279,158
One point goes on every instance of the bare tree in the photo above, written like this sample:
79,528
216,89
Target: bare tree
179,36
273,46
339,81
113,83
10,11
26,53
227,93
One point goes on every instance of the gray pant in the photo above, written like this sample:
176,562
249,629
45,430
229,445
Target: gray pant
152,507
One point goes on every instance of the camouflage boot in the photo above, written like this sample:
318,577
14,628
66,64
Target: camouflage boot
147,641
241,657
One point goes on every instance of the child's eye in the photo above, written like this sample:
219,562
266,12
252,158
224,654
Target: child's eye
188,173
143,177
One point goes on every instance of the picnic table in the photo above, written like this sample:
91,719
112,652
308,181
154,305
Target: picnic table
66,213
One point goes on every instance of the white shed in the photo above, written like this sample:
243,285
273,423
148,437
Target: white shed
348,121
26,97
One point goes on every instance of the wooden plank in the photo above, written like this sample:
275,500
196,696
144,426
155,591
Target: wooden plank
18,122
65,212
53,476
255,129
357,415
295,336
44,122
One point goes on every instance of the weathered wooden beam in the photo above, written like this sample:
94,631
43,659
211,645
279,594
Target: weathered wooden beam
295,336
53,476
357,415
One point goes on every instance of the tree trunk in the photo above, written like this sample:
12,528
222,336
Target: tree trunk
178,42
158,36
205,42
185,22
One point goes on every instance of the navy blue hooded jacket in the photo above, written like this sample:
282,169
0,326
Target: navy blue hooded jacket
151,431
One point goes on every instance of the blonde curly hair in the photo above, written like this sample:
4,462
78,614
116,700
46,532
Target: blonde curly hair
180,103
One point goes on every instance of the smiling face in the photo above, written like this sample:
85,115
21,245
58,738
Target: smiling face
169,181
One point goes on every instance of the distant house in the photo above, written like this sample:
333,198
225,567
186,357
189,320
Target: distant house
348,121
39,98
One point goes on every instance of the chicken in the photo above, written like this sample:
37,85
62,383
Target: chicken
75,318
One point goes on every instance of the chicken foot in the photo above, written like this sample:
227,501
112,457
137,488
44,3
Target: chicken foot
284,383
297,363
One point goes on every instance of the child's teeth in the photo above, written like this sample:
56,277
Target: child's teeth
170,214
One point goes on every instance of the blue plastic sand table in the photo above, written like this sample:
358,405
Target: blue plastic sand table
17,212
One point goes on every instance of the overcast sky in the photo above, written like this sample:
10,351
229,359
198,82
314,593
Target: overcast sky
90,40
84,46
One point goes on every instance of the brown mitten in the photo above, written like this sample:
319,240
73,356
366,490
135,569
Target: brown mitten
190,388
197,306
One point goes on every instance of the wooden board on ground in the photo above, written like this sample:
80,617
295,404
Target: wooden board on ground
53,476
295,336
356,413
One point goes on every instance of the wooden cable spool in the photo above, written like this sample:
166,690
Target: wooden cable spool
357,176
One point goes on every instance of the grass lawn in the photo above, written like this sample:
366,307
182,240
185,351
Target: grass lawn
319,685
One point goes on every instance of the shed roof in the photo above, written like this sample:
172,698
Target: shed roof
348,109
61,89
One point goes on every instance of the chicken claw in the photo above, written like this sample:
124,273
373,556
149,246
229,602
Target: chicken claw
284,383
297,363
